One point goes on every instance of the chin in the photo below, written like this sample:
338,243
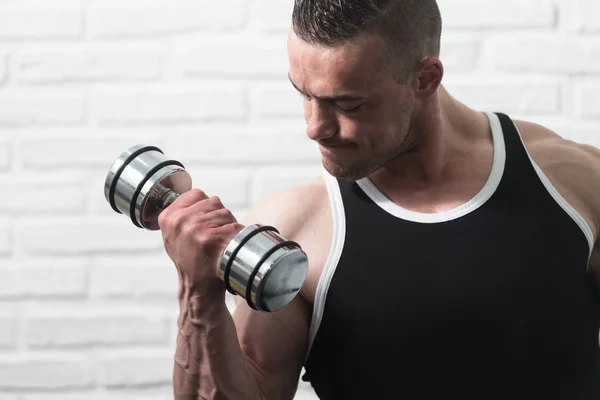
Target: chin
353,172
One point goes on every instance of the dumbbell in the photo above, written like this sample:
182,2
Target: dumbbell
258,264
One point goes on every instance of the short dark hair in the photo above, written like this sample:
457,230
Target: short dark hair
410,29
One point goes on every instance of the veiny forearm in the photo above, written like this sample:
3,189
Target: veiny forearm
209,362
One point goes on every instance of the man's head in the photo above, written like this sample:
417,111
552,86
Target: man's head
363,66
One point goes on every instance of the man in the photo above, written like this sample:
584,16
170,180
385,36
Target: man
452,252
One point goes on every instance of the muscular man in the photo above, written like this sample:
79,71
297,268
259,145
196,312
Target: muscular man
452,251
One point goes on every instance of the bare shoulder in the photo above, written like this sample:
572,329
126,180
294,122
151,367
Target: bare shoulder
557,154
289,210
573,168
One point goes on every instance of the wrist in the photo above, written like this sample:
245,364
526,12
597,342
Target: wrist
208,292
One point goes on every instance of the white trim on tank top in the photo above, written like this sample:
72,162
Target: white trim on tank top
480,198
578,218
339,217
339,236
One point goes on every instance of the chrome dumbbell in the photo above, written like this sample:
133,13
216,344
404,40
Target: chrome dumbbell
258,264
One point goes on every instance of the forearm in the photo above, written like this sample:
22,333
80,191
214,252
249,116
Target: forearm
209,362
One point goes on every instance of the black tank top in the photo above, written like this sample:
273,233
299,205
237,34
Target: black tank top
487,301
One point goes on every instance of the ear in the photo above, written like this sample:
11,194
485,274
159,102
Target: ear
428,77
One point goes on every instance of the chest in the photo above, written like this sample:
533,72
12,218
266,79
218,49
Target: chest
451,293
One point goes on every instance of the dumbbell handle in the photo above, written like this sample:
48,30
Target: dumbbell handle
167,197
258,264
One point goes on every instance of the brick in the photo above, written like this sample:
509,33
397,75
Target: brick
271,15
8,332
459,54
117,63
171,105
511,97
136,367
5,237
277,101
587,13
141,18
43,278
589,135
83,235
25,107
271,180
59,149
39,20
512,14
239,58
98,205
248,146
109,326
134,277
3,68
549,54
5,155
230,184
45,371
41,193
588,99
240,213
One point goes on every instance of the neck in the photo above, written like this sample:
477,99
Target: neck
442,132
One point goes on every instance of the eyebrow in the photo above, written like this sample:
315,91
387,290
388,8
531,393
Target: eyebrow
343,97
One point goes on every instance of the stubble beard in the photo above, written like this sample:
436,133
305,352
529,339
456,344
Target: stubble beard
372,162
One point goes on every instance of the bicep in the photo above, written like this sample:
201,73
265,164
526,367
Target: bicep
274,345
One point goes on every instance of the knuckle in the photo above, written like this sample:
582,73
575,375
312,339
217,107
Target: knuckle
224,213
233,229
189,229
162,219
196,194
208,237
178,222
216,218
216,200
166,220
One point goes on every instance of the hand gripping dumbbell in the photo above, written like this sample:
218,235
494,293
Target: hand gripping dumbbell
258,264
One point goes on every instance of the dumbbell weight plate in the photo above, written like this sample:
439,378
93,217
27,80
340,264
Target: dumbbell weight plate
258,264
148,204
263,267
138,178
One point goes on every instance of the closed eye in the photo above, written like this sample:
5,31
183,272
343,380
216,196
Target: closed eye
349,109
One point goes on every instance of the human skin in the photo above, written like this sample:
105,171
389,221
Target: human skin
425,150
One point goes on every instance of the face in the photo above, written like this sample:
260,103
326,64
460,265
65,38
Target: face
354,109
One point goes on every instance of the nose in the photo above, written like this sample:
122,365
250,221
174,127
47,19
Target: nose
321,123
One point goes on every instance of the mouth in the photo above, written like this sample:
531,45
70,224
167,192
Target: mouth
333,146
333,151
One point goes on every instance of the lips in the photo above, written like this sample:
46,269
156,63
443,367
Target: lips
332,146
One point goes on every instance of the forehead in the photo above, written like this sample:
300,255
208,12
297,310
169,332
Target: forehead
354,66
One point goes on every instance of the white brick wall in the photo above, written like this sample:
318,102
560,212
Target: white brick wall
88,301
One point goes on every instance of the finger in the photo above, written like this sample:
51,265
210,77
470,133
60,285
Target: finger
228,231
177,211
216,218
205,206
220,237
188,199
